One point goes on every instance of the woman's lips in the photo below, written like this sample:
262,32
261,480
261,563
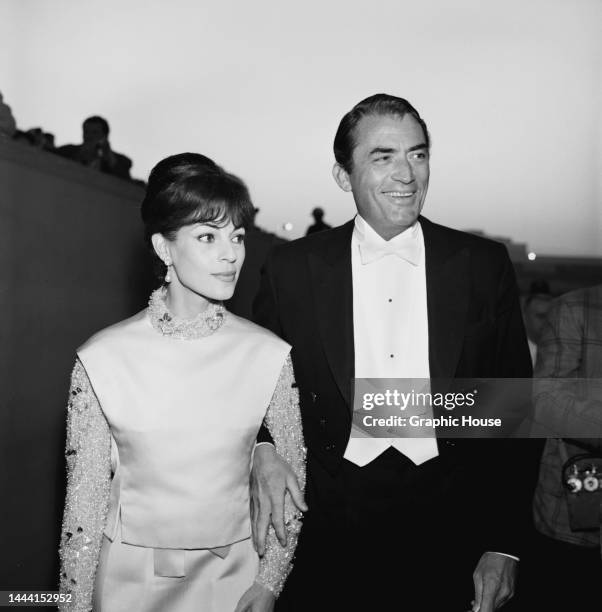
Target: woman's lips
227,277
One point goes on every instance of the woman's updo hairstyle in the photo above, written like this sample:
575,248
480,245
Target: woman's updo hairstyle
190,188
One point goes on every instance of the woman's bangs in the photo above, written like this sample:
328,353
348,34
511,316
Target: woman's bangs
215,198
220,212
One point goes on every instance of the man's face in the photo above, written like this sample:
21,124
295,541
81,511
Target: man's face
390,173
93,133
535,316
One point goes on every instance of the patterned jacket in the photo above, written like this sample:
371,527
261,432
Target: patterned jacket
570,347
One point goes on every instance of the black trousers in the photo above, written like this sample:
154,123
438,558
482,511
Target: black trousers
388,536
557,575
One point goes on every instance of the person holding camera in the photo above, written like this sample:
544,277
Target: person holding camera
95,150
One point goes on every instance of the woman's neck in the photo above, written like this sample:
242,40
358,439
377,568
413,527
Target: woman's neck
183,303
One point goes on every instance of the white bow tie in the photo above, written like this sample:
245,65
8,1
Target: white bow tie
408,249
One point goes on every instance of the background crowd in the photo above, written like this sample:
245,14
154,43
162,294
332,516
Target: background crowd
93,152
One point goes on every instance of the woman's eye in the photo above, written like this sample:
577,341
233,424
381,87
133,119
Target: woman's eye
238,239
206,238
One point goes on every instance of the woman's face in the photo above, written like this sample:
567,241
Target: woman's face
206,260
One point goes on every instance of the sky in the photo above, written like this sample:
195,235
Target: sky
511,91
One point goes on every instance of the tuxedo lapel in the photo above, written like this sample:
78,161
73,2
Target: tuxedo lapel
330,268
447,289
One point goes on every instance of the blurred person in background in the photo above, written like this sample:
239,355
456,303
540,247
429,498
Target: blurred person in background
568,496
95,150
535,308
319,225
8,125
39,139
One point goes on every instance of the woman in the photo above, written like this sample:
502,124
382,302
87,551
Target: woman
163,412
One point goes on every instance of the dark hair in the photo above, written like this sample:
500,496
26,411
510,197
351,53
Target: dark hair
104,124
378,104
190,188
175,166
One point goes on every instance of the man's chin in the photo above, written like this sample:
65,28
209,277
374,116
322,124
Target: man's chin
405,221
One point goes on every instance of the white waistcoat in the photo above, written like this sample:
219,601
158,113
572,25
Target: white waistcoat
184,415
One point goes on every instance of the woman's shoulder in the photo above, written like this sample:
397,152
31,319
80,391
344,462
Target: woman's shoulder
117,332
239,325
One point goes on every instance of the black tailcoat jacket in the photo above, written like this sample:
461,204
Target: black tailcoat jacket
475,329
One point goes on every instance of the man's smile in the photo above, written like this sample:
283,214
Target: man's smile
399,194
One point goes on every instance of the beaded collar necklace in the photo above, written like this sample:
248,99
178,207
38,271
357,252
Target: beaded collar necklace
168,324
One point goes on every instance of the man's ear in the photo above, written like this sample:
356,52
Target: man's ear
341,177
161,248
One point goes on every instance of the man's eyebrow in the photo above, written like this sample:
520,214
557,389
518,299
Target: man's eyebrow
389,150
417,147
381,150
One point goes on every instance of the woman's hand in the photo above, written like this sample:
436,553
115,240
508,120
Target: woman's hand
256,599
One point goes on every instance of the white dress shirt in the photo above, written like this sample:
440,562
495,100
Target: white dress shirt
390,325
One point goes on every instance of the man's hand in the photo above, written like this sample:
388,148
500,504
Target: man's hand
256,599
106,153
494,579
271,477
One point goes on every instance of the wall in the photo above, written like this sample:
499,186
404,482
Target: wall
72,262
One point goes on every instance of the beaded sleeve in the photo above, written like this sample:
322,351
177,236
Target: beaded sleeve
283,419
88,454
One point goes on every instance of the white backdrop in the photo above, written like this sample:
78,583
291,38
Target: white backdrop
511,91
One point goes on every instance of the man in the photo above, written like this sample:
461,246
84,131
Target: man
8,125
570,347
95,151
535,309
319,225
391,295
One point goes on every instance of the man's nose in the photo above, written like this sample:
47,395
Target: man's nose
402,171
